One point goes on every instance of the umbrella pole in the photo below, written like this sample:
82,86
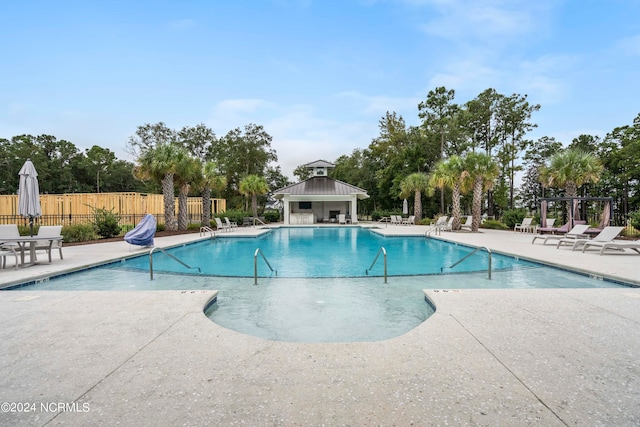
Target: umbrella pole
31,225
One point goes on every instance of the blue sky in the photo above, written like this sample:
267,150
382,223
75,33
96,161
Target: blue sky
318,75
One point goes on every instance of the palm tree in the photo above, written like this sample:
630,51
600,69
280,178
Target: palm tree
187,172
570,169
160,163
415,183
253,185
450,173
482,172
211,180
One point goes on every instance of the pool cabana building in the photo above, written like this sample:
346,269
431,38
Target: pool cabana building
319,198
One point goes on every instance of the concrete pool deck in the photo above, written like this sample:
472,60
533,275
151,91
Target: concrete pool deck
486,357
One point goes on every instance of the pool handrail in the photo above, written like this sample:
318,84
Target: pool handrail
170,256
204,229
384,251
255,265
468,255
259,220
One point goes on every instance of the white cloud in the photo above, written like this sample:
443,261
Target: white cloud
629,45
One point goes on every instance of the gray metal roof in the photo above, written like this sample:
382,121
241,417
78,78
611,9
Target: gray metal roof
319,164
321,186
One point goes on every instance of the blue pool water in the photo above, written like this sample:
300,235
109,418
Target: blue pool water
343,306
323,252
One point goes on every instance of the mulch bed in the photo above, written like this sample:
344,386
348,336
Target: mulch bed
121,238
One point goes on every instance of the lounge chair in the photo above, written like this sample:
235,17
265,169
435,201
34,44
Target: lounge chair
409,221
619,245
577,232
230,225
395,219
605,236
342,219
525,226
467,223
48,245
220,226
550,226
142,234
448,226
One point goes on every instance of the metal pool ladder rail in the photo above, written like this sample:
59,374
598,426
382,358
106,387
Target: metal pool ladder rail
170,256
255,265
468,255
384,251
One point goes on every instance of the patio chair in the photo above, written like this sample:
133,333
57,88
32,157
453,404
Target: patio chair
230,225
10,231
4,252
448,226
619,245
577,232
220,226
525,226
409,221
48,245
605,236
467,223
342,219
550,226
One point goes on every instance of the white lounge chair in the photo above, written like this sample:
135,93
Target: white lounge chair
342,219
467,223
448,226
525,226
48,245
230,225
619,245
577,232
605,236
220,226
409,221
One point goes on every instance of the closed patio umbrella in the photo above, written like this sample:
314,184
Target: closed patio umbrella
29,193
405,207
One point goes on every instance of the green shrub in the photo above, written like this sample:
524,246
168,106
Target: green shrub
193,226
494,225
512,217
106,222
160,227
634,219
233,215
78,233
272,215
376,215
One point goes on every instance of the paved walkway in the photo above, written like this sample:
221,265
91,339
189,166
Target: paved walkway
486,357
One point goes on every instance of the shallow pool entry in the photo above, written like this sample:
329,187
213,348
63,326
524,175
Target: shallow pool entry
321,310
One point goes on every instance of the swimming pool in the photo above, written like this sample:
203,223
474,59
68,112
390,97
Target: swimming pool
320,309
323,252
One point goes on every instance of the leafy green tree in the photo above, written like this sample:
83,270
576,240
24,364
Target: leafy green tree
212,179
482,172
100,160
535,157
199,140
438,114
415,184
514,114
244,153
149,136
450,173
254,185
302,173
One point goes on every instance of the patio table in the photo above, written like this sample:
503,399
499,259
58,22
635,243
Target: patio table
31,240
